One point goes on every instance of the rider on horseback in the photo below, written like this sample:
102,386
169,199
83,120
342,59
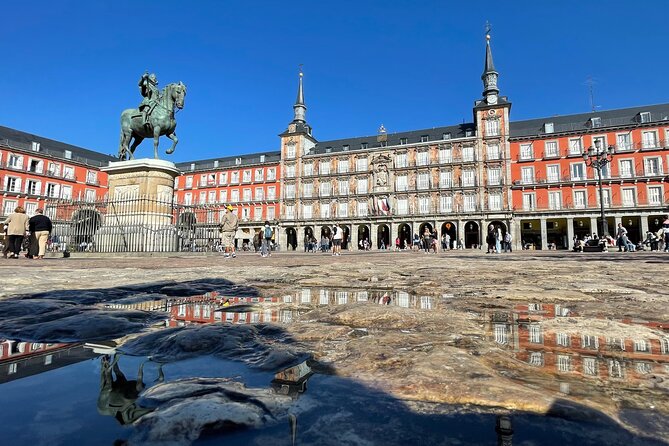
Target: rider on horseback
148,88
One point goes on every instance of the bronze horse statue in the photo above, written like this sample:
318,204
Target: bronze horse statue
160,122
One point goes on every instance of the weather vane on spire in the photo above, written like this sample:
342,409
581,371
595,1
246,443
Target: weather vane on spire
488,28
301,72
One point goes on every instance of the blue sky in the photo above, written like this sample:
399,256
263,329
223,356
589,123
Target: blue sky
70,67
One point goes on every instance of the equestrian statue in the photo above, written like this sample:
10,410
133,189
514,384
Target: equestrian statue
153,118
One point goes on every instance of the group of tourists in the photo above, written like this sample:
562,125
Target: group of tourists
498,240
29,233
652,241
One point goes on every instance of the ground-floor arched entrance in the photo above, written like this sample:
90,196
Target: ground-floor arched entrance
363,237
655,223
633,226
383,237
309,238
451,229
346,237
404,234
472,235
557,234
291,239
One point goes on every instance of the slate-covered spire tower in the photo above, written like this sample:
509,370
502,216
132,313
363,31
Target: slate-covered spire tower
489,76
300,108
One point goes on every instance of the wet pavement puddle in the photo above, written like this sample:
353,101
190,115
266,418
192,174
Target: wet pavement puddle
221,367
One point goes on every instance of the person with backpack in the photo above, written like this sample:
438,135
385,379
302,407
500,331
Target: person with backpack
265,250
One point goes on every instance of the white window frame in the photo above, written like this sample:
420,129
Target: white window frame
527,174
554,151
362,186
626,145
342,166
495,201
402,206
446,155
579,177
402,183
649,143
361,164
494,176
492,127
575,146
580,192
493,151
626,193
526,151
553,178
468,154
401,160
622,173
423,181
655,190
554,200
446,203
422,158
647,171
529,201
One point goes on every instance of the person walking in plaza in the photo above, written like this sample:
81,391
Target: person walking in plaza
229,224
621,236
490,240
265,250
17,225
40,227
507,242
499,238
665,230
337,236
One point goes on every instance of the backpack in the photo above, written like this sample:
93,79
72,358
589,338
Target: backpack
334,230
268,232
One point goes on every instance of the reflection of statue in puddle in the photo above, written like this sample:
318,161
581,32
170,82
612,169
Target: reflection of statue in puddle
117,396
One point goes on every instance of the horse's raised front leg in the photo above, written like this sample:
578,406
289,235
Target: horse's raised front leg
156,138
175,140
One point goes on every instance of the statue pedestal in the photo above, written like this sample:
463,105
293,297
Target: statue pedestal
139,215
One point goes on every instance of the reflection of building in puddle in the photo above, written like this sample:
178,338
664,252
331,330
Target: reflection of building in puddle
584,353
20,359
326,296
293,380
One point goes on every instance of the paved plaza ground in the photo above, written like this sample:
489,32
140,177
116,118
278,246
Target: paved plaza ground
461,327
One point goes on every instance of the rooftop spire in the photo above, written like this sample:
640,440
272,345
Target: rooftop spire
489,76
489,65
299,107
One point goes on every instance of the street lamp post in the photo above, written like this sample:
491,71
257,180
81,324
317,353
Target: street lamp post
597,157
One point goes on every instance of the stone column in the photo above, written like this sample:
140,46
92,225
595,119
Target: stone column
570,233
374,236
394,233
643,226
516,237
544,233
280,237
617,220
594,227
460,233
300,238
355,241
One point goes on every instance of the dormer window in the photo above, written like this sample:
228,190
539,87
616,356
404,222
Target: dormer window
238,161
345,147
403,141
424,138
328,149
262,158
364,146
644,117
595,122
68,154
215,163
549,127
34,146
446,135
469,132
192,166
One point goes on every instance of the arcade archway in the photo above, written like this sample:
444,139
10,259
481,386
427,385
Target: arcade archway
363,236
291,239
404,233
383,237
472,235
346,238
451,229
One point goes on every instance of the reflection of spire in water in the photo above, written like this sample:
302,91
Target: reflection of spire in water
504,431
292,421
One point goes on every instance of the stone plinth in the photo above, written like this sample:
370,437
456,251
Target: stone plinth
141,178
139,215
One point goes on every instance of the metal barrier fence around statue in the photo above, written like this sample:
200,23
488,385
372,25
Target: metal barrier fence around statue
136,224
